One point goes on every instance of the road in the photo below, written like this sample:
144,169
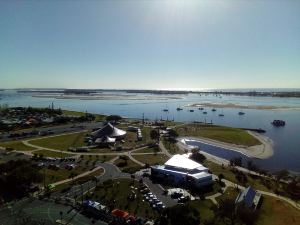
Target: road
60,129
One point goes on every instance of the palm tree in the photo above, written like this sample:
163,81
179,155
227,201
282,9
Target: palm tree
61,214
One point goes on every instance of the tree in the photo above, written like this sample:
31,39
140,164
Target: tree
227,210
113,118
17,176
249,164
173,134
61,214
282,174
246,215
180,215
237,161
154,135
197,156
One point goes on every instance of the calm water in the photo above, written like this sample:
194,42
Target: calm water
286,139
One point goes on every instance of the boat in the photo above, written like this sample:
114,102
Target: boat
204,112
166,109
221,114
179,109
213,110
241,113
191,110
278,123
200,108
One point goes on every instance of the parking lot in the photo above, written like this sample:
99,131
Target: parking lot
156,189
6,156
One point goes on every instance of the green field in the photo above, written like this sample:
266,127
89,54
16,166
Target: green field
204,208
46,153
148,150
128,167
62,142
131,138
76,113
218,133
277,212
260,183
101,158
53,176
230,193
151,159
115,194
16,145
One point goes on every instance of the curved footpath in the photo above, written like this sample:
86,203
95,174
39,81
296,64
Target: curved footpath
262,151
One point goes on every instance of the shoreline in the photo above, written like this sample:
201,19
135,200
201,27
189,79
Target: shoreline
107,97
262,151
237,106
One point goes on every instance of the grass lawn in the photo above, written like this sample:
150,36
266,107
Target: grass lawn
16,145
263,184
148,150
115,193
102,158
131,137
277,212
204,208
46,153
219,133
151,159
53,176
76,113
230,193
67,186
73,113
86,178
172,123
62,142
127,166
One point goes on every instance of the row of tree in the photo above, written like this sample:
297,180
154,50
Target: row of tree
16,177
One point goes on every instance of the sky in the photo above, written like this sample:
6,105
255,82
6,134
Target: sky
150,44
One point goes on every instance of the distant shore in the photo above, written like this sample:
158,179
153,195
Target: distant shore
106,97
261,151
238,106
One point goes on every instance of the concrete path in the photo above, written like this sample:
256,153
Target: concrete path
75,178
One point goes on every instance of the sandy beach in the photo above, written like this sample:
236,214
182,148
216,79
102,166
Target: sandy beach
262,151
239,106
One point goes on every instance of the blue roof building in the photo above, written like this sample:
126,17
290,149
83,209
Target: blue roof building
249,197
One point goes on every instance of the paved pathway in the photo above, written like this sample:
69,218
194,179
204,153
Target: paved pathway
80,175
166,152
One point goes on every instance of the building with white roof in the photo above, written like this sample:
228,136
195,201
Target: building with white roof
109,131
181,170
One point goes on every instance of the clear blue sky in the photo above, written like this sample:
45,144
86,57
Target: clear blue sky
150,44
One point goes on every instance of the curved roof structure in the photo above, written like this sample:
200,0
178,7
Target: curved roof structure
105,139
110,131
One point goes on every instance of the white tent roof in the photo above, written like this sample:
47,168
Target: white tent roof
108,130
105,139
181,161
